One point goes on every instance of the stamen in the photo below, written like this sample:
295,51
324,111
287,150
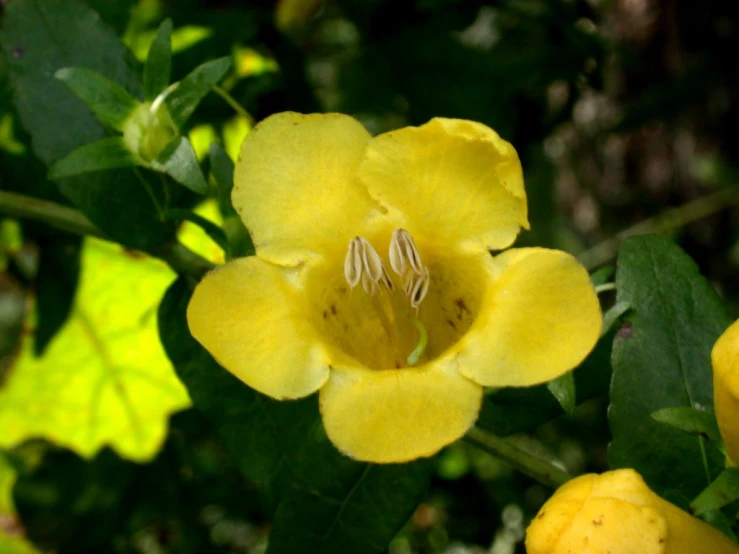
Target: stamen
423,340
403,250
420,288
353,262
363,263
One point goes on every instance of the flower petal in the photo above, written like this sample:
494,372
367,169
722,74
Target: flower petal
387,416
454,181
538,319
247,315
295,185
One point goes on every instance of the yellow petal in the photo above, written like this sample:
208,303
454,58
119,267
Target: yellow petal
456,183
247,315
616,513
295,186
538,319
387,416
725,360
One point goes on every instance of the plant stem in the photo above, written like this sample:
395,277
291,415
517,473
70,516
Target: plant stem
174,254
231,101
528,464
661,223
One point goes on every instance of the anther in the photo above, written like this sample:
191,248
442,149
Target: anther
363,263
406,262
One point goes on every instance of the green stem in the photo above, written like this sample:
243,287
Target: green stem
231,101
665,222
178,257
604,287
545,472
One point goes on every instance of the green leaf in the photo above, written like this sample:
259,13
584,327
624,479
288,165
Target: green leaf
723,491
10,543
56,283
662,359
222,169
210,228
563,389
518,410
690,420
183,100
59,123
108,100
158,67
338,505
613,314
325,502
107,153
600,276
104,380
178,160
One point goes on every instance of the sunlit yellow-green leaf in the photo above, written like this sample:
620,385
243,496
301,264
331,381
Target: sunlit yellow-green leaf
196,239
11,533
104,380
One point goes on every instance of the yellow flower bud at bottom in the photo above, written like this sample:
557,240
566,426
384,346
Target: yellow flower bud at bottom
616,513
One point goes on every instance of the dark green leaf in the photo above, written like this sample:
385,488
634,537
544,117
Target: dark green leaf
210,228
47,36
662,360
723,491
178,160
341,506
158,67
108,100
563,389
690,420
107,153
183,100
517,410
56,284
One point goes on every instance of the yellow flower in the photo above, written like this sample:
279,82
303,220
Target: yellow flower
725,361
617,513
374,284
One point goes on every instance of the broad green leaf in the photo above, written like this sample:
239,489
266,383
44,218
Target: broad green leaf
59,123
518,410
222,169
723,491
178,160
662,359
109,101
690,420
107,153
563,389
183,100
338,505
325,502
104,380
158,67
11,538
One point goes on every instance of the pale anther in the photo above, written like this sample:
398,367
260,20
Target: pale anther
363,263
420,288
403,251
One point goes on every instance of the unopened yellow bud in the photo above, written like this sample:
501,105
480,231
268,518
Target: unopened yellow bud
725,361
617,513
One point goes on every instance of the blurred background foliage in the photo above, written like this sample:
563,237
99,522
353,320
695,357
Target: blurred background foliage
623,113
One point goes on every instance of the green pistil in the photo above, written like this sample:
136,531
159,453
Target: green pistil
423,340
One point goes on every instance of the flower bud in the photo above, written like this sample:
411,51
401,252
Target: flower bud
725,360
617,513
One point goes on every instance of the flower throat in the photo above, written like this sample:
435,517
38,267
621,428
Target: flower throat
364,265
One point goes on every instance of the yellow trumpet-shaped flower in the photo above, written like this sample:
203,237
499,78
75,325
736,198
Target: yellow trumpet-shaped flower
725,361
617,513
373,281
